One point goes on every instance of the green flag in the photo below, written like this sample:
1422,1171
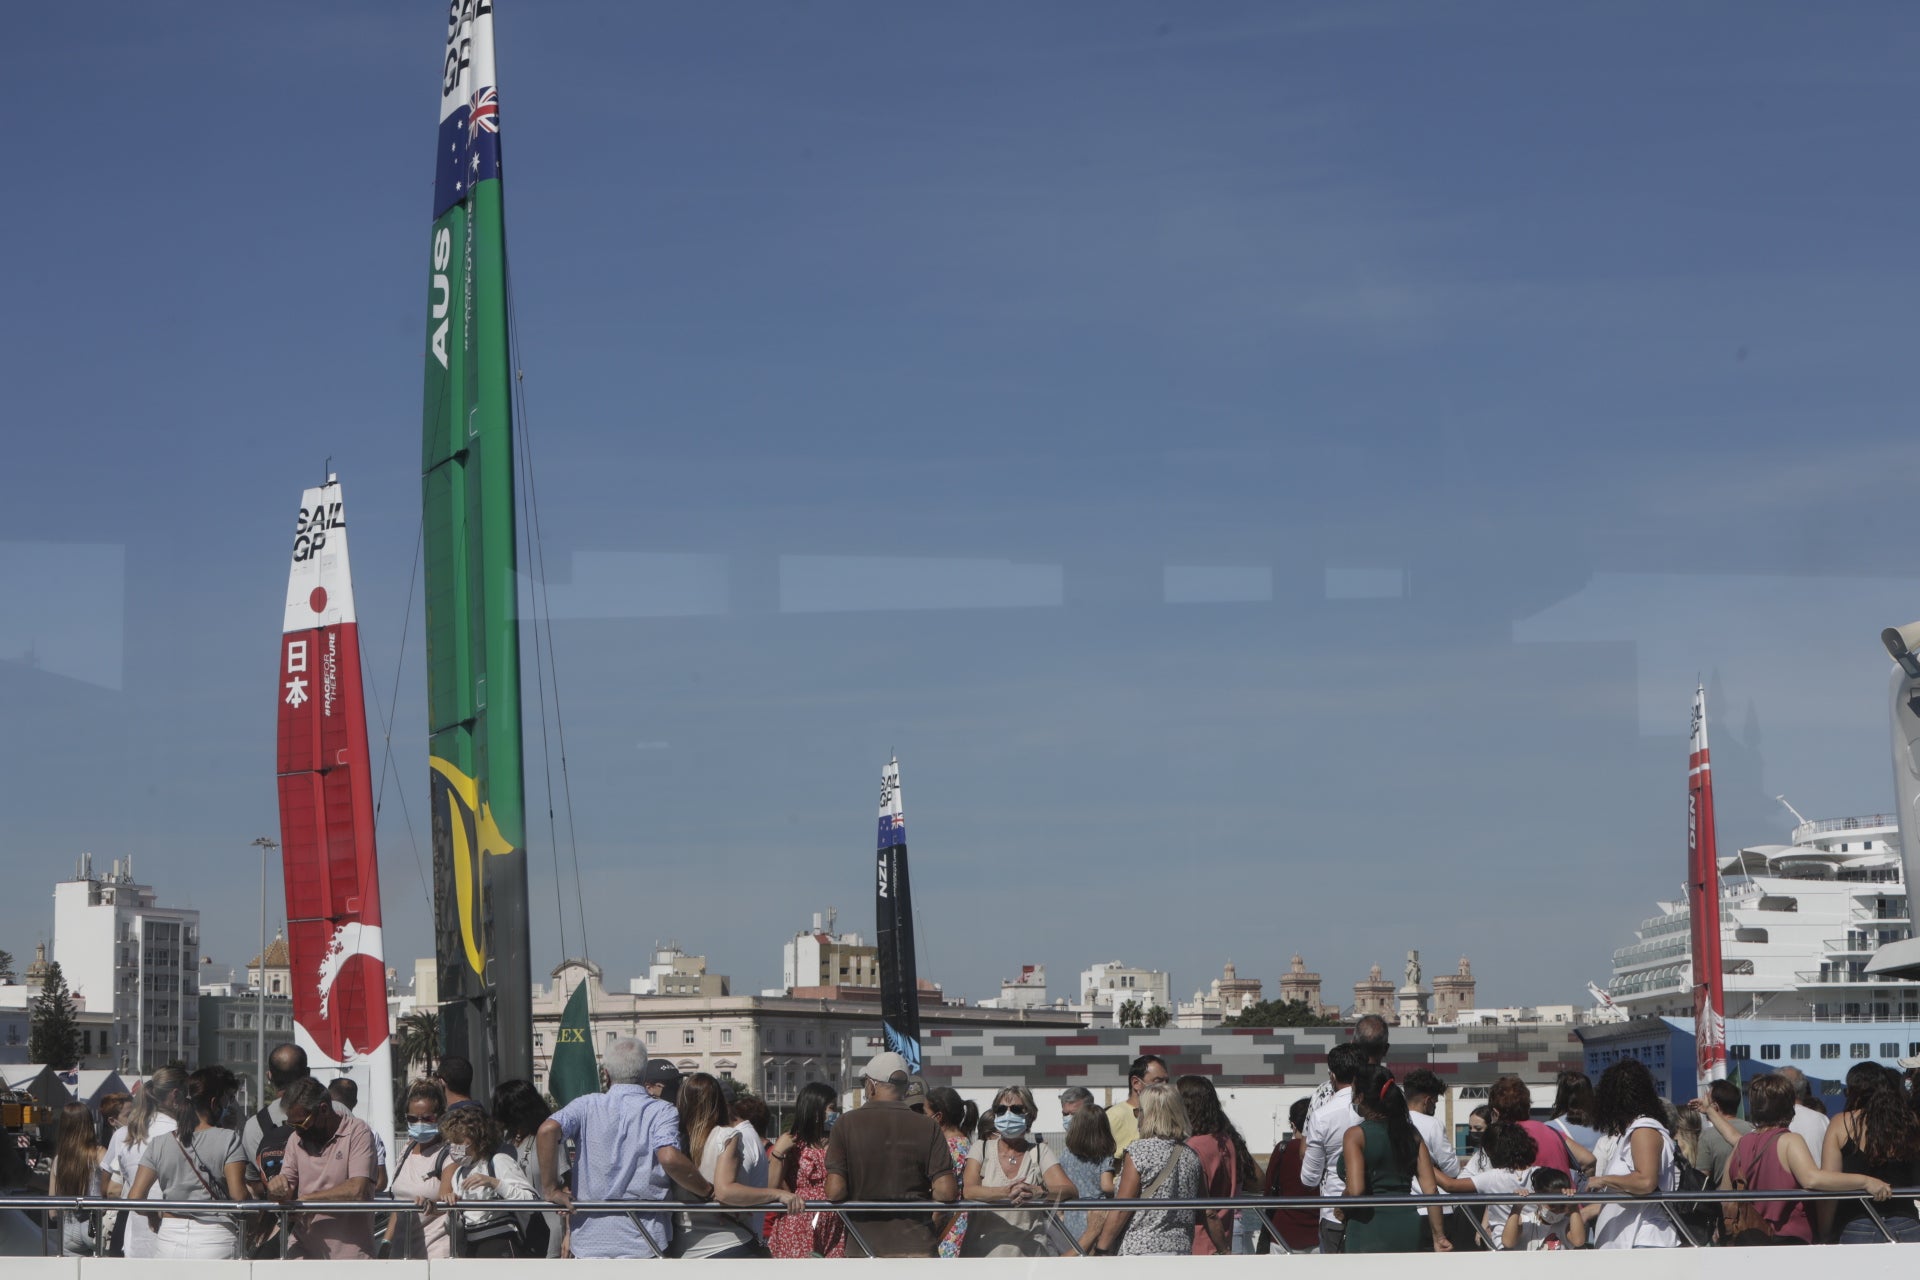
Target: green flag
575,1070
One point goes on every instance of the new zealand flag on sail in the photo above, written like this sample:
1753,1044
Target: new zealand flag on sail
469,151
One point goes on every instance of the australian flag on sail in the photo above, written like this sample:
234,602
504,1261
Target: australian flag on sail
469,151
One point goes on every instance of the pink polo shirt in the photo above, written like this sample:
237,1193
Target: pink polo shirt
348,1154
1552,1149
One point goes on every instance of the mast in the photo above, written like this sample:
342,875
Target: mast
473,643
893,907
327,851
1703,905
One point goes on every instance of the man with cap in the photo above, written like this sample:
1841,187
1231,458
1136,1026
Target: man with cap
884,1151
662,1080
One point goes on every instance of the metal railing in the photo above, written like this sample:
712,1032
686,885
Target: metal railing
1675,1204
1864,822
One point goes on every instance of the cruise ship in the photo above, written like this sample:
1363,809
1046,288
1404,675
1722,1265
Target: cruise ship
1799,923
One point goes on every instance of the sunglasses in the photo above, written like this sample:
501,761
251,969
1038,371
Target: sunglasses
1005,1107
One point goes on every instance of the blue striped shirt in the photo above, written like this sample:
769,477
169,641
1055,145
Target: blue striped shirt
616,1135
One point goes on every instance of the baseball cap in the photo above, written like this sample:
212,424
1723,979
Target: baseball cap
663,1073
884,1067
916,1090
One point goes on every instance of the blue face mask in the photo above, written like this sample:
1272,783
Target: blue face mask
833,1118
1010,1125
422,1130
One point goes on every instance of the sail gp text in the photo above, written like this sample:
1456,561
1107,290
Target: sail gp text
460,17
310,530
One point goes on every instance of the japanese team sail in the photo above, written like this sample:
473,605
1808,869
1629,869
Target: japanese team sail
1703,904
893,905
332,876
473,643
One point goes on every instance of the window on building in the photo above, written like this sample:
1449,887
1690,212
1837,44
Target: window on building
686,1037
1829,1050
653,1037
1770,1052
1798,1051
539,1039
726,1035
1739,1051
1859,1049
612,1036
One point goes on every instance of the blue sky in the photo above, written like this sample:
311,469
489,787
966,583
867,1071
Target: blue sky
1273,473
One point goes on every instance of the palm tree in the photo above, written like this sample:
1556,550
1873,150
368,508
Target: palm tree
417,1039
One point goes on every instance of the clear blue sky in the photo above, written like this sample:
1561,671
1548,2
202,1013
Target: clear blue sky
1273,473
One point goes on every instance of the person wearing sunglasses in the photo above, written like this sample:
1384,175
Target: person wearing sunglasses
331,1157
1019,1168
416,1178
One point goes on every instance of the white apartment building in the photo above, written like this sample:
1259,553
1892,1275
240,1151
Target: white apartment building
133,959
673,972
1028,991
819,957
1107,986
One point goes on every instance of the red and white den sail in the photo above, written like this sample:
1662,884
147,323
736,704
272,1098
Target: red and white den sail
326,818
1703,905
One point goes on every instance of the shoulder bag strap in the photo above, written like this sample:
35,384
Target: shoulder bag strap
197,1166
1166,1170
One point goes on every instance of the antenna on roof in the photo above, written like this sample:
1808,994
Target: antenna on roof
1797,815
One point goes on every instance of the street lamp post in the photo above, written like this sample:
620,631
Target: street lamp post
266,847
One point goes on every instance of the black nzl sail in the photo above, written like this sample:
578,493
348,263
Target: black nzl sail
893,904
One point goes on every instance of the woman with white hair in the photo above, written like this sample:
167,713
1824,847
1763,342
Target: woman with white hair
1158,1165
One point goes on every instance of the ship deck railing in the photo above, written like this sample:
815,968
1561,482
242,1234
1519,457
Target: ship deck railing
1674,1203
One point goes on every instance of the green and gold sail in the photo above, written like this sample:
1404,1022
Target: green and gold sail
473,642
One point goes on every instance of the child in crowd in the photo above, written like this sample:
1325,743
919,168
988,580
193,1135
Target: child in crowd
1544,1223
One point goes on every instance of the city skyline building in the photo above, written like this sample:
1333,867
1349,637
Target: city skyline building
133,959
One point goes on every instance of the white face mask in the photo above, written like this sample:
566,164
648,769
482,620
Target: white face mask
1548,1218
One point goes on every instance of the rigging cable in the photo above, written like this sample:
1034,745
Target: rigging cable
540,680
544,609
387,717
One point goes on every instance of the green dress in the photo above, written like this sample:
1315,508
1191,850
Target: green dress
1384,1230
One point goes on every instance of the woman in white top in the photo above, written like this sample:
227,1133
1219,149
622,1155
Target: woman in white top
1016,1167
483,1170
197,1161
1636,1159
146,1120
1506,1155
76,1172
707,1137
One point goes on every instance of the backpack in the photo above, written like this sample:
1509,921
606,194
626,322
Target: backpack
1745,1224
262,1232
1700,1218
272,1151
491,1224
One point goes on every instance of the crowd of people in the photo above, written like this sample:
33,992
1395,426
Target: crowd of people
655,1138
